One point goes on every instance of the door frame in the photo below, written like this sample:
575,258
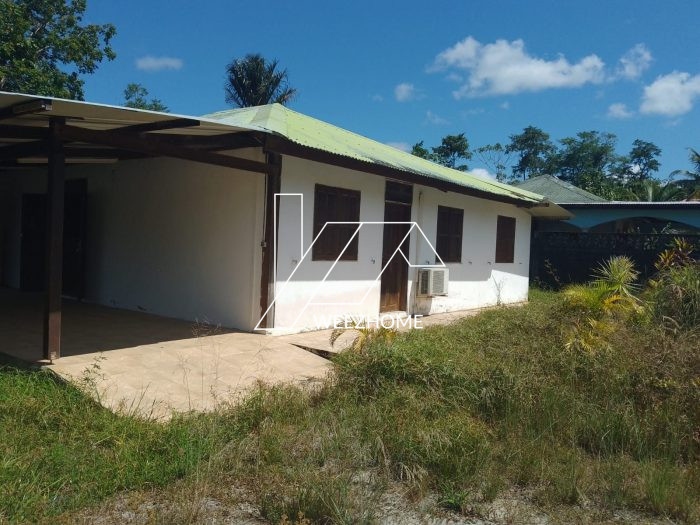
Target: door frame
405,201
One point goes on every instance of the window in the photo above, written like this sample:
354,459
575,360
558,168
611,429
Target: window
505,239
449,234
335,205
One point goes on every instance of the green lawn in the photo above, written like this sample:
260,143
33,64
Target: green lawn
493,403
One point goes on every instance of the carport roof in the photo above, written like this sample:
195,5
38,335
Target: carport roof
279,126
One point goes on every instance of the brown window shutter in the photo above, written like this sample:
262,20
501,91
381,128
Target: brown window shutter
449,234
335,205
505,239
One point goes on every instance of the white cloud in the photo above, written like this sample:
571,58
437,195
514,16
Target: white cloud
482,173
405,92
619,110
437,120
377,98
634,62
151,63
505,105
504,67
671,95
403,146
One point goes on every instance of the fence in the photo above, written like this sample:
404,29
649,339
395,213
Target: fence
571,257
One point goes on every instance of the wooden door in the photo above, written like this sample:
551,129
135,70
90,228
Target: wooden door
33,244
394,280
32,273
74,238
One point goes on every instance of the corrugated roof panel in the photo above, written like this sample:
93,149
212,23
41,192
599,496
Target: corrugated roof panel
313,133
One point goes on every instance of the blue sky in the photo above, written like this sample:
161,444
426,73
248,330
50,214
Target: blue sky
409,71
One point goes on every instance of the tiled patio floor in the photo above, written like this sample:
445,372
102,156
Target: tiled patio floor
155,365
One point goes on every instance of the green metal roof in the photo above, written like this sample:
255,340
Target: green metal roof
313,133
557,190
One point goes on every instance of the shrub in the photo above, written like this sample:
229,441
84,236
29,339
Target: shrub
673,297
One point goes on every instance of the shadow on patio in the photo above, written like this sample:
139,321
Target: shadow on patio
150,365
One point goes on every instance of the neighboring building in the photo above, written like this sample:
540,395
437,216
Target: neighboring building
569,250
595,214
177,216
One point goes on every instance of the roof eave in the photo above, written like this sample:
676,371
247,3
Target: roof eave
282,145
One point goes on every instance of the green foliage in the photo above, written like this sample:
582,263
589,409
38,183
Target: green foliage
586,159
135,96
45,47
642,161
689,180
653,190
60,450
496,158
255,81
463,412
452,150
618,275
679,254
419,150
602,304
673,296
535,153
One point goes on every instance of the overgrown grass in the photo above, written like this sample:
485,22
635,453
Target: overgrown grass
492,403
60,450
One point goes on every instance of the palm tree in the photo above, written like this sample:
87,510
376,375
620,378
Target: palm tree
253,81
690,181
651,190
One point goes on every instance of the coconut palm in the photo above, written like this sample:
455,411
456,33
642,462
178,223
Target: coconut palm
652,190
254,81
690,179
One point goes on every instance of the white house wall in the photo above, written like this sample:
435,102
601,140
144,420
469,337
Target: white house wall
169,237
349,280
475,282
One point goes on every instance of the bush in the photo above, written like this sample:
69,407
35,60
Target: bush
673,297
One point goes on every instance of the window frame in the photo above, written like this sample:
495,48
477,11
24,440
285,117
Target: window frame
453,236
334,242
505,239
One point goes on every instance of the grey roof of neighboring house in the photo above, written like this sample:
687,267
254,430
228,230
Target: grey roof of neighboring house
557,190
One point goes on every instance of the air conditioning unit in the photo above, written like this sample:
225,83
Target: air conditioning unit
432,282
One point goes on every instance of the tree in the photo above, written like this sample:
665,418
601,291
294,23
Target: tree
587,159
497,158
421,151
652,190
253,81
641,163
534,150
42,37
135,97
689,179
451,150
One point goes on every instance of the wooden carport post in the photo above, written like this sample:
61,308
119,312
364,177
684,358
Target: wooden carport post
54,235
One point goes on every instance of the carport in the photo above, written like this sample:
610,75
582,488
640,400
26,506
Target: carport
50,137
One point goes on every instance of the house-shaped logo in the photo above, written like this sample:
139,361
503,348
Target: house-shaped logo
314,295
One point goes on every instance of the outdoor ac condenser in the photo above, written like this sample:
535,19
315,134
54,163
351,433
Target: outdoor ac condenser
432,281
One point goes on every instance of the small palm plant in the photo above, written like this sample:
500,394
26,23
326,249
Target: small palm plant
609,296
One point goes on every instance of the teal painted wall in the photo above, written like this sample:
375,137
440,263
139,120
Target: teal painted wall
587,218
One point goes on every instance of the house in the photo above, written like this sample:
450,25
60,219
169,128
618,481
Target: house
595,214
221,218
569,250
